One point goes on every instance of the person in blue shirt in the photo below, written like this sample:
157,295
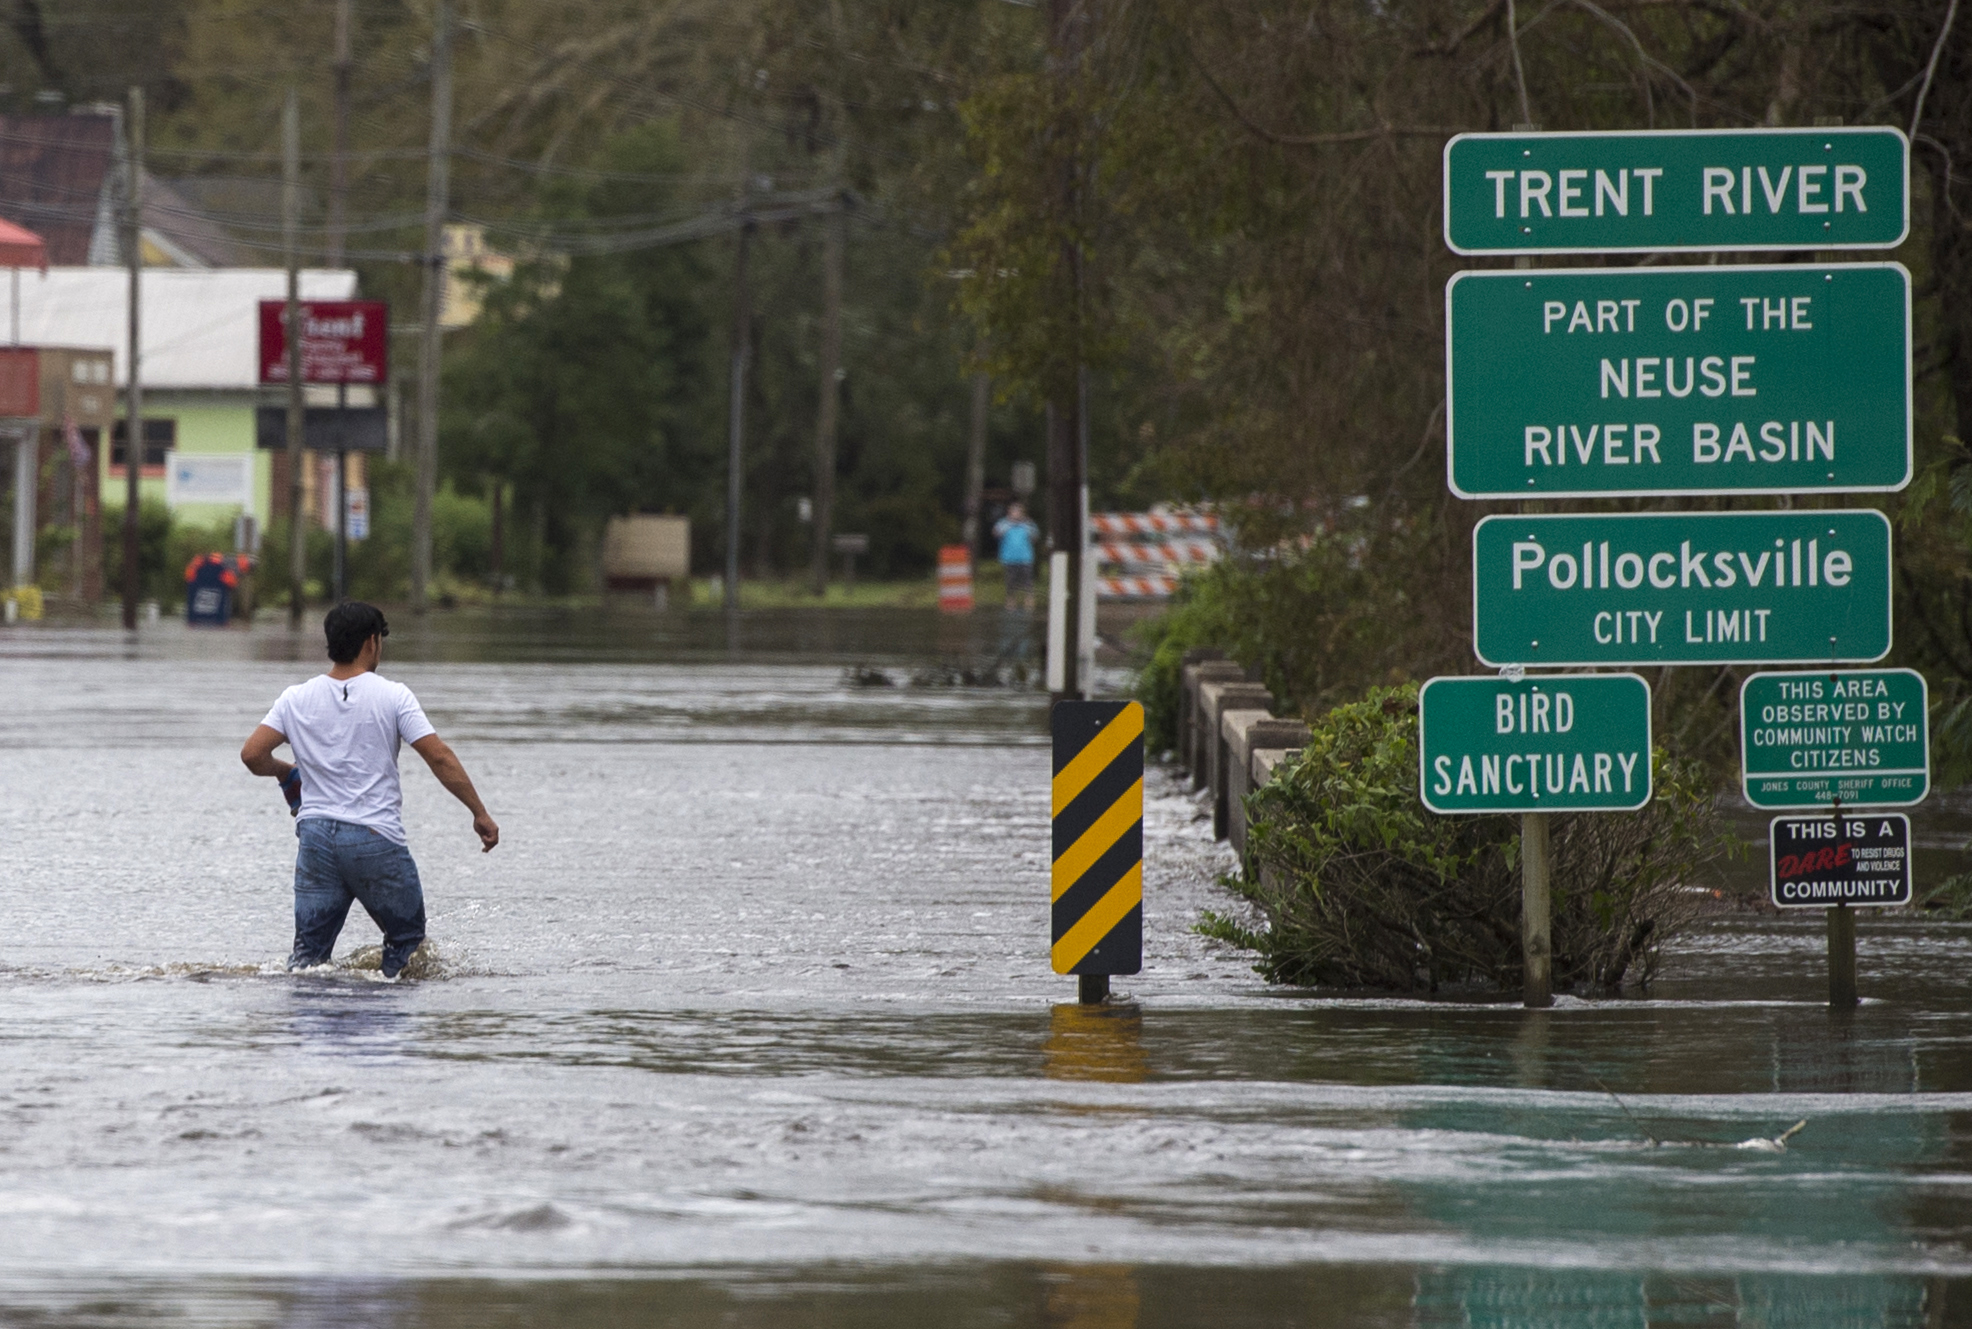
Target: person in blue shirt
1016,535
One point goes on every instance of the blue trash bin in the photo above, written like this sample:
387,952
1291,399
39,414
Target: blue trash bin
209,585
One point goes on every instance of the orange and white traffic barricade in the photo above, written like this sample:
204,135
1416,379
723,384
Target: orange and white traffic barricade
955,579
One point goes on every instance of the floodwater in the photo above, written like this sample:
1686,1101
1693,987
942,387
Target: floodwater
749,1022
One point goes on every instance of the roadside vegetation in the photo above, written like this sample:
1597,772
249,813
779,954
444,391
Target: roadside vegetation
1355,884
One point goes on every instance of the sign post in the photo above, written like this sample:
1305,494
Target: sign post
1554,743
1688,380
1590,382
342,342
1098,842
1837,863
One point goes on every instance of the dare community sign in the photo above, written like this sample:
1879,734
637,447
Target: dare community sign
1691,189
1854,859
1587,382
1682,588
1556,743
1857,736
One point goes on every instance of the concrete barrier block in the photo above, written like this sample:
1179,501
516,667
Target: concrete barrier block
1261,764
1227,809
1215,700
1199,762
1262,735
1196,674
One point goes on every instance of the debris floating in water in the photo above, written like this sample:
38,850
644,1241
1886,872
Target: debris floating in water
1777,1145
1759,1144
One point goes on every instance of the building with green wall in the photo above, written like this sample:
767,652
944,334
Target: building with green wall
199,366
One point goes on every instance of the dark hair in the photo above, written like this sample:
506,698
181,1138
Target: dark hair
349,625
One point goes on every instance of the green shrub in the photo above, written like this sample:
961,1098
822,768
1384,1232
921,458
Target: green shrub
1320,618
157,579
1360,886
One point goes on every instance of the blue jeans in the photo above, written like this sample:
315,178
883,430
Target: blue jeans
339,862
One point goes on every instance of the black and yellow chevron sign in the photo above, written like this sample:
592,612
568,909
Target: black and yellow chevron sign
1098,837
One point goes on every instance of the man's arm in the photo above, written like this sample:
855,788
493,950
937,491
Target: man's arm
258,752
451,773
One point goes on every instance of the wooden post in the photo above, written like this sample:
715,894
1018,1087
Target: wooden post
1536,946
438,194
290,223
975,463
1092,989
133,392
498,555
1842,958
833,241
1068,36
736,412
339,160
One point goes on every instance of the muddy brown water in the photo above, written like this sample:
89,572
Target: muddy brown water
749,1022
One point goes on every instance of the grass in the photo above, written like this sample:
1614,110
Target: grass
988,591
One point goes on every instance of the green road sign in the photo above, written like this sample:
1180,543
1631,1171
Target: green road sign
1682,588
1732,189
1686,380
1853,736
1553,743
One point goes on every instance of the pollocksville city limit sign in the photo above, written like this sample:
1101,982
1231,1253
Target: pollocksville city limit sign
1703,189
1553,743
1586,382
1682,588
1860,737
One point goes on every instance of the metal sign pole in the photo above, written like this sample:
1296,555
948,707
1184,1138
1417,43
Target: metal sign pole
342,505
342,525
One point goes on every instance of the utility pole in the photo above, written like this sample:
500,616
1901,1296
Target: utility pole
291,320
133,399
975,461
833,227
1067,481
338,161
437,192
736,412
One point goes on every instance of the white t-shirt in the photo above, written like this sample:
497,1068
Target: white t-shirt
345,735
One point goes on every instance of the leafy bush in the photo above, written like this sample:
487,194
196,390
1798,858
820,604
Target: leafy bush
1950,898
1361,886
1321,616
157,578
379,567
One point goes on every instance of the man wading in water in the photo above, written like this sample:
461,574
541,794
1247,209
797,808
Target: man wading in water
344,728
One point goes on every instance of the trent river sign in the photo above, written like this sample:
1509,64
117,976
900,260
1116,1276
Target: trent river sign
1686,380
1682,588
1854,736
1553,743
1721,189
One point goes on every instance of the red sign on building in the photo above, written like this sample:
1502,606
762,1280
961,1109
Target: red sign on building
342,341
20,382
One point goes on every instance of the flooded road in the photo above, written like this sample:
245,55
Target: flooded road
749,1022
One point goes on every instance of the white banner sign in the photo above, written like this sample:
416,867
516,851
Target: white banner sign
196,477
